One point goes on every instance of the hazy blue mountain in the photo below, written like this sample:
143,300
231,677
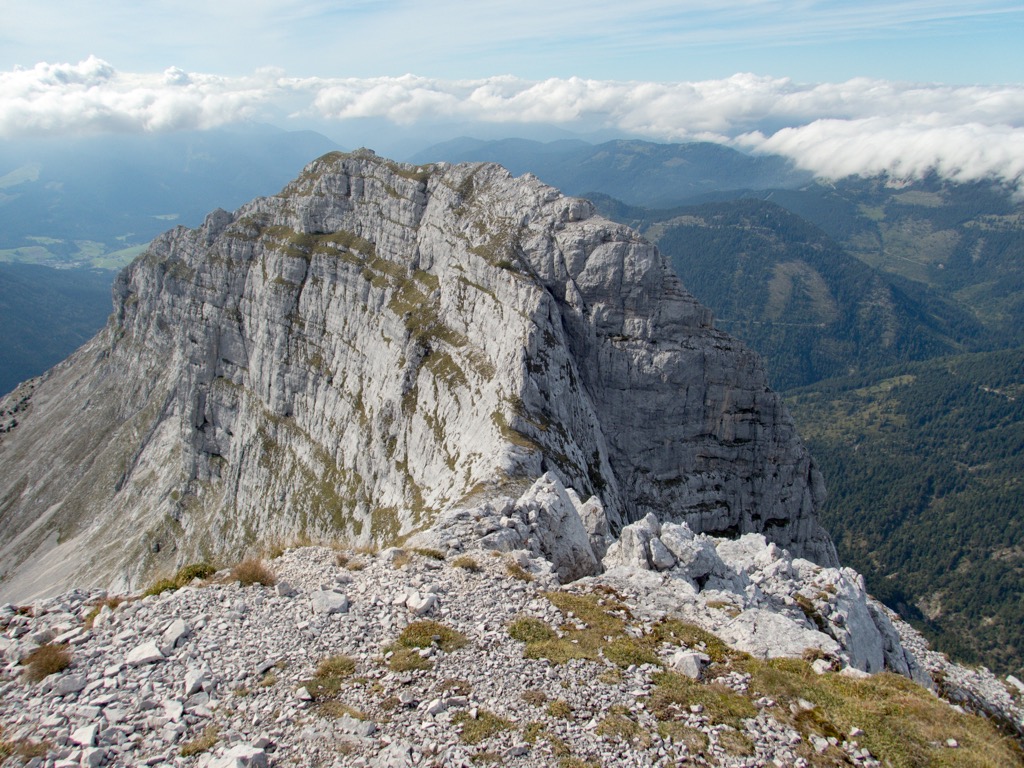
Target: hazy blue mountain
75,200
46,315
637,172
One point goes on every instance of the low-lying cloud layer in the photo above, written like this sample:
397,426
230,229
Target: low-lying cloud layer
859,126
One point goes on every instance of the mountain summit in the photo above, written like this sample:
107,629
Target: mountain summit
375,346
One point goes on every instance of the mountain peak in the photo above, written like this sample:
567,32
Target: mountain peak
375,345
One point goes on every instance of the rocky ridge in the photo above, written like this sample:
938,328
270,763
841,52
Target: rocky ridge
335,665
378,345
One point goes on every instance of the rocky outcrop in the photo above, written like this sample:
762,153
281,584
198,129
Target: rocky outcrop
378,344
759,598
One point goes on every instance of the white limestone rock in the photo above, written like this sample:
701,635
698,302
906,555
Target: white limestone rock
420,604
85,736
173,636
144,653
768,635
417,339
69,683
632,548
689,663
558,529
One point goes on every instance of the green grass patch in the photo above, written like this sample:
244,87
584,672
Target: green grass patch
485,725
423,634
904,725
627,651
603,620
530,630
407,660
689,635
331,674
673,694
560,708
619,726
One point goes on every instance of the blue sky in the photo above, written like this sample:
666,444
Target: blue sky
898,85
921,40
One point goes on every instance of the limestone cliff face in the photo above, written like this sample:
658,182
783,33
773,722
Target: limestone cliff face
378,343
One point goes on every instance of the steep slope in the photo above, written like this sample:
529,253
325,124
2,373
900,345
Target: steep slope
377,343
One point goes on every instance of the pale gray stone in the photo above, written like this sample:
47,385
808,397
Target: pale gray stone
175,633
689,663
420,604
328,601
92,757
85,736
194,679
767,635
69,683
144,653
241,756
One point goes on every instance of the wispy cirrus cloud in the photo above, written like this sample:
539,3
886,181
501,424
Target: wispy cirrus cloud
834,129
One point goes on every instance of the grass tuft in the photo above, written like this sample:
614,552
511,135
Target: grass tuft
516,571
423,634
627,651
46,660
407,660
530,630
560,708
675,693
433,554
467,563
618,726
253,571
203,743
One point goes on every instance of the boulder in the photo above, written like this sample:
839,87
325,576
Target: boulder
328,601
767,634
144,653
558,531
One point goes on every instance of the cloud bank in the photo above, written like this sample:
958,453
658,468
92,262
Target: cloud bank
861,126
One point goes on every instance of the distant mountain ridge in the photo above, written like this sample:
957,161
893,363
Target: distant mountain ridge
637,172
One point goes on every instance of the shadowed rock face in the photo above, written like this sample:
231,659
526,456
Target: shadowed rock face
378,343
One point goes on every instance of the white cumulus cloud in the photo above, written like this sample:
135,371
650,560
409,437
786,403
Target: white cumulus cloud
861,125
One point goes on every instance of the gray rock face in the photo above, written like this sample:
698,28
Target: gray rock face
375,345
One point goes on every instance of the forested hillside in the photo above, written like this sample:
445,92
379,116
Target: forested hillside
925,469
793,294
